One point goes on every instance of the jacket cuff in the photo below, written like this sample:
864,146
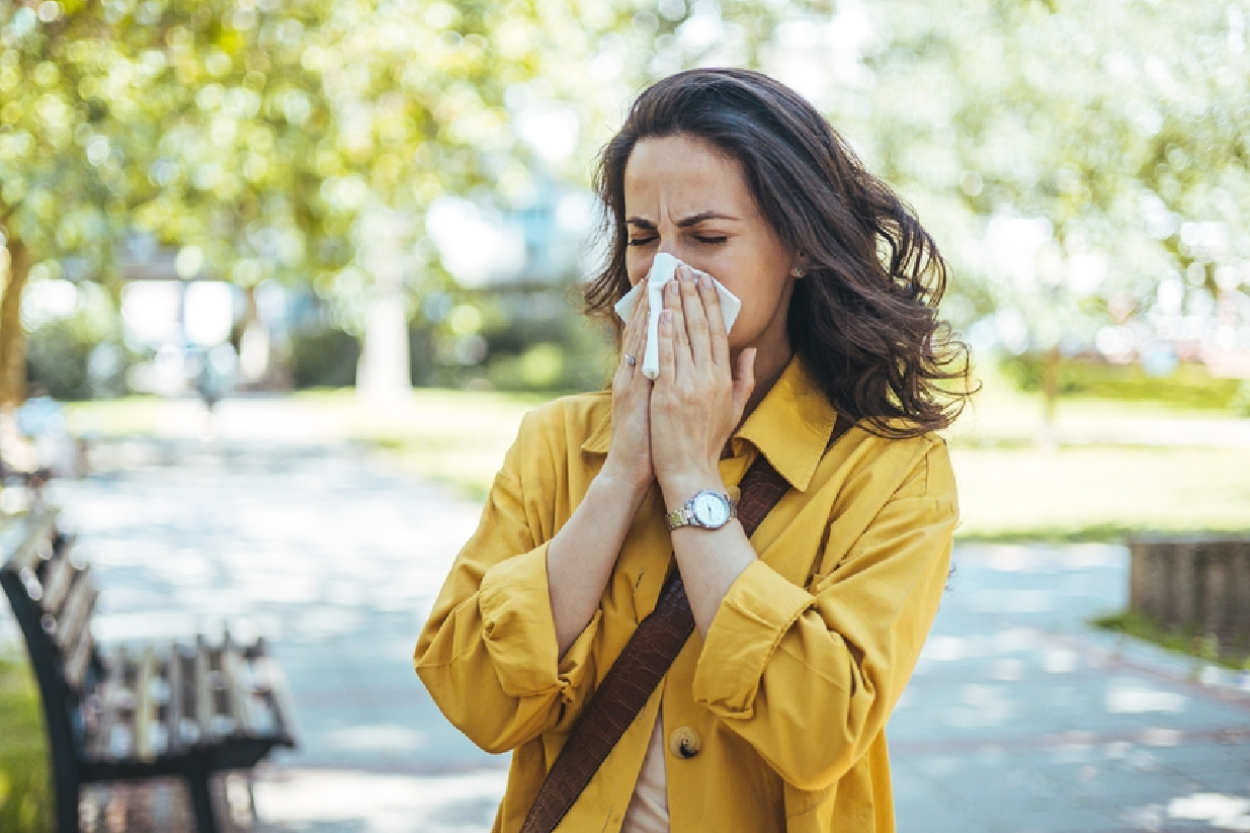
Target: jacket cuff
520,633
755,614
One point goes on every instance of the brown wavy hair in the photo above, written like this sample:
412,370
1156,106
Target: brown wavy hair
864,321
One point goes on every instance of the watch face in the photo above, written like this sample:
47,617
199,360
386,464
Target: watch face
710,509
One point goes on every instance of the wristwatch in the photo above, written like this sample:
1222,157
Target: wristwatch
708,509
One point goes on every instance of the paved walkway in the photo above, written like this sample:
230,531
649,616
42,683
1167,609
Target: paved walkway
1019,718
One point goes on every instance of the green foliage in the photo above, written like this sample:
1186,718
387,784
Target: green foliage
81,355
305,140
1241,402
1190,386
548,367
1120,125
25,768
324,357
558,354
59,357
56,360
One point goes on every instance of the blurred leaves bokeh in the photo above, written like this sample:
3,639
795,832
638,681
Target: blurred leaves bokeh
1083,162
269,140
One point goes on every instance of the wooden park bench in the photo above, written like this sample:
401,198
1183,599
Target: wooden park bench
189,709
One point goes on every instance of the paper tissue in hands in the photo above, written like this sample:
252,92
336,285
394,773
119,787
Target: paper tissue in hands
663,270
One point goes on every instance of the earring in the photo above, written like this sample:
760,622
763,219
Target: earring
798,272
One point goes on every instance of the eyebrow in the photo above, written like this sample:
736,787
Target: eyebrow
685,222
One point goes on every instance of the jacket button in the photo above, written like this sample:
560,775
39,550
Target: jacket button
685,742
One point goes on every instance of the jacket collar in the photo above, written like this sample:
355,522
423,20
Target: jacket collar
791,427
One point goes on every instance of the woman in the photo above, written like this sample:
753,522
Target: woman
771,716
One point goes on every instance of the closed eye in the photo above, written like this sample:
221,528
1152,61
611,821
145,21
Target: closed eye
711,240
642,241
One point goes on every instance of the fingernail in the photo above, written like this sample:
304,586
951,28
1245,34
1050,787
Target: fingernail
705,282
673,287
666,317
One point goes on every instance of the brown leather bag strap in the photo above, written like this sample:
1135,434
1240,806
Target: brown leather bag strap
642,664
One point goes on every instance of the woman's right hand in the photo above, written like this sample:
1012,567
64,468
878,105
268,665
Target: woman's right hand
629,456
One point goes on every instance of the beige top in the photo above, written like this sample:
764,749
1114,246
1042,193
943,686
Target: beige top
648,807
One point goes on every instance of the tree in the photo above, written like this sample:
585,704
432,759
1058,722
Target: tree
304,141
1077,155
63,181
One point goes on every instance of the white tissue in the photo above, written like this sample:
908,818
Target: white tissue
663,269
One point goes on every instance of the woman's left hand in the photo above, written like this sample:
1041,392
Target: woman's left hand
698,400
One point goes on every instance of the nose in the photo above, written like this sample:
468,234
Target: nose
666,247
671,244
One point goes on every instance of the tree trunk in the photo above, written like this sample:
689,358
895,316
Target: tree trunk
12,338
1050,396
383,376
1050,383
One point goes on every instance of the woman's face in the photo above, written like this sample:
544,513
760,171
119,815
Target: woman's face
683,196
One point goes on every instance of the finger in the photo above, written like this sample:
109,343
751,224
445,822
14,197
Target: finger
681,340
718,333
667,344
696,319
634,339
744,381
639,317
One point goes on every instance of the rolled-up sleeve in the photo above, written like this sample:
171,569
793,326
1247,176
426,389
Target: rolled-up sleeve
809,676
516,618
753,618
488,654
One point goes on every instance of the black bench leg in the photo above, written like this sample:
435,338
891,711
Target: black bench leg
67,789
202,801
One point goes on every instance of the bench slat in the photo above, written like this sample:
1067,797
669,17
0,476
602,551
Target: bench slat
30,541
78,660
145,706
60,575
188,727
78,608
174,706
223,722
203,708
112,697
272,686
242,689
232,673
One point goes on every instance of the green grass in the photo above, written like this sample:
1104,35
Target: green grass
455,437
1184,641
124,417
1101,480
25,770
1099,492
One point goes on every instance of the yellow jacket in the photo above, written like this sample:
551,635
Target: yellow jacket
789,694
